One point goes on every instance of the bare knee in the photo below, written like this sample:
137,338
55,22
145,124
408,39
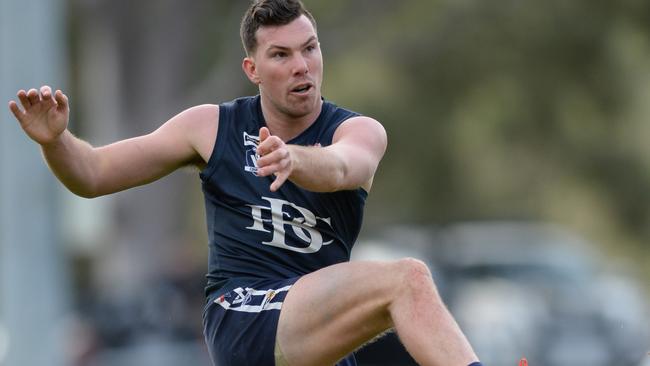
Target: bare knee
414,269
415,276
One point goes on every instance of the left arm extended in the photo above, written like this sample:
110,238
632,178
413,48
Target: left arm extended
348,163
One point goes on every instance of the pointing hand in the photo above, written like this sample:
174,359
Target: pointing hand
275,158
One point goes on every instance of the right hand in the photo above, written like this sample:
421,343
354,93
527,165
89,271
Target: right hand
44,116
275,158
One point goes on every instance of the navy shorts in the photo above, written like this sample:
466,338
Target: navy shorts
241,319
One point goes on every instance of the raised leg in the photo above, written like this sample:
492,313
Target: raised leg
333,311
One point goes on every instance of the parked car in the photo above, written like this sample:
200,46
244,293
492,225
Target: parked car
528,289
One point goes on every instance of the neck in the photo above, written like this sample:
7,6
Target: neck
287,126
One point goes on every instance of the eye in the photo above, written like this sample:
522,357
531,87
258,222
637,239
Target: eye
310,48
278,55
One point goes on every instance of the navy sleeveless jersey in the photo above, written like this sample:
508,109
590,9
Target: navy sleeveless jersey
256,233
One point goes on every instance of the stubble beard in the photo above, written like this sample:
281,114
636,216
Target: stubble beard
300,108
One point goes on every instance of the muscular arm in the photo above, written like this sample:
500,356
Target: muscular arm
349,162
94,171
90,172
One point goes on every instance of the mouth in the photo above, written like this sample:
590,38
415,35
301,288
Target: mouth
302,89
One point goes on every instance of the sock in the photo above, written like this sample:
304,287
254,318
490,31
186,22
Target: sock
475,364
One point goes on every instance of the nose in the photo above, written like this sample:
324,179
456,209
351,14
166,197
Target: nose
300,65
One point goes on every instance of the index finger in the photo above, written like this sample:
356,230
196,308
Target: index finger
279,181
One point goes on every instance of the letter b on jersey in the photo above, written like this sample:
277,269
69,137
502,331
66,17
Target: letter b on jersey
303,225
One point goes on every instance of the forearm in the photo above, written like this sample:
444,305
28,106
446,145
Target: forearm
91,172
72,162
320,169
348,163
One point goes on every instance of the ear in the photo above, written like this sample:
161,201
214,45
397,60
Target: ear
250,69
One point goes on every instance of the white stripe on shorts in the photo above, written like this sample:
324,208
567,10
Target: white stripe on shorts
245,296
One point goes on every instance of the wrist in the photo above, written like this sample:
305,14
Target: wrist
55,142
294,158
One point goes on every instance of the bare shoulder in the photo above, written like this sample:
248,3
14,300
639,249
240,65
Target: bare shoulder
362,127
362,141
198,117
199,126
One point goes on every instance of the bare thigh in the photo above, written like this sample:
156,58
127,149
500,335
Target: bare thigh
335,310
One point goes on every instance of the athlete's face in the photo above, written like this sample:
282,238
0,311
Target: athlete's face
288,67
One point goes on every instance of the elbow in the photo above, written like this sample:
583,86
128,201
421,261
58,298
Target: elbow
89,186
349,178
84,193
348,182
340,179
83,190
339,182
88,195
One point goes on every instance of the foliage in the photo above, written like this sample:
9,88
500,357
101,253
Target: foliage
501,109
506,109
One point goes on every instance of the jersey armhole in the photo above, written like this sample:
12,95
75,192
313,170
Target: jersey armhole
362,193
224,118
331,130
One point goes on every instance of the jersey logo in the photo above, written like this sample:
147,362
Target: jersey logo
250,144
284,213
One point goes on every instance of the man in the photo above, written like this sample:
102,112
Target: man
285,175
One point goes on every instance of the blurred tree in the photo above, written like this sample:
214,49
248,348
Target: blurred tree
139,64
502,109
507,110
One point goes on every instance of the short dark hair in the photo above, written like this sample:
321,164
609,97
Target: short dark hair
269,13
